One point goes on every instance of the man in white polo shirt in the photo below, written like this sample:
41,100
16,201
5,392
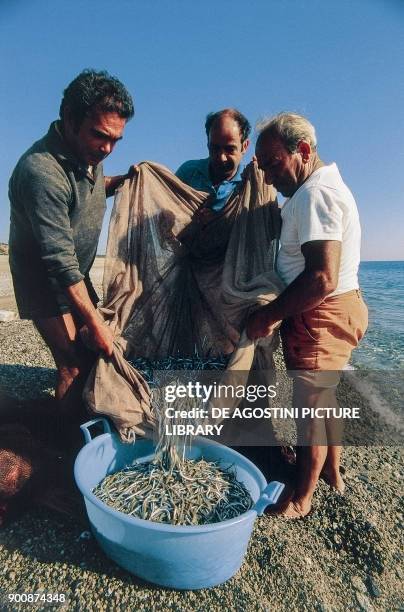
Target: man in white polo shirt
322,310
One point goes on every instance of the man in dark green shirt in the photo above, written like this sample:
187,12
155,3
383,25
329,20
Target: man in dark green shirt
57,194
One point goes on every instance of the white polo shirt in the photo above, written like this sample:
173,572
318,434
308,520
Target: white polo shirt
323,208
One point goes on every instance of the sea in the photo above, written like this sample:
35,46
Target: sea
382,285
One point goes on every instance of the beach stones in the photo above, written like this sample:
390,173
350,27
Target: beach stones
373,589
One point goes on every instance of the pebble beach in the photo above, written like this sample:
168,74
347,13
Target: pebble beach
347,555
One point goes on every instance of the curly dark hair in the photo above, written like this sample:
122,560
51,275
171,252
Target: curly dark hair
96,90
243,123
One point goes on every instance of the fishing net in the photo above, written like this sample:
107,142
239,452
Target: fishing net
19,459
178,285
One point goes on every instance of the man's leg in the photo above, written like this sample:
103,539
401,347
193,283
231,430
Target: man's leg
72,360
334,430
315,457
312,447
331,472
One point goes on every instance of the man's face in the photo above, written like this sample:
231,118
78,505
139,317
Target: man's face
225,149
96,136
282,169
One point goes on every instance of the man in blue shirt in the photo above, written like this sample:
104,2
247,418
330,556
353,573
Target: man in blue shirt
220,173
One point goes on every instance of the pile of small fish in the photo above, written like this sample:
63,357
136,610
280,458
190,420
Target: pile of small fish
193,492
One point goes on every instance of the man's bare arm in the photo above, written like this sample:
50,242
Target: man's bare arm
100,335
308,290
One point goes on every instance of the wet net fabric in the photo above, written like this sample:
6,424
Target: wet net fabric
179,284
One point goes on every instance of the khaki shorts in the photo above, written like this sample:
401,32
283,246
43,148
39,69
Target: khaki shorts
323,338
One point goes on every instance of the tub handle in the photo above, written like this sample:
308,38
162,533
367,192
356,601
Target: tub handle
269,496
85,428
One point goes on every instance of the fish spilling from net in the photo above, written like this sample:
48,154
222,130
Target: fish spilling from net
172,488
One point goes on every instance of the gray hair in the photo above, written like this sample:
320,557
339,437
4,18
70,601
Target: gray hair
290,128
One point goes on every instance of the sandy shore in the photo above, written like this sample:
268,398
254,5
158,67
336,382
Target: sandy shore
345,556
7,300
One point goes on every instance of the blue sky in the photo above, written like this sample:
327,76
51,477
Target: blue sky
341,63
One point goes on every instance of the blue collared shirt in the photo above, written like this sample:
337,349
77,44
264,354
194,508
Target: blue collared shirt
195,173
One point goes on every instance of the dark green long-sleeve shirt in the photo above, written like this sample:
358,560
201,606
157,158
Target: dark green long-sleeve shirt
57,209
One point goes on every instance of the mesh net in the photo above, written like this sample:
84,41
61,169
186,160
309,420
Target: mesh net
19,458
179,284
